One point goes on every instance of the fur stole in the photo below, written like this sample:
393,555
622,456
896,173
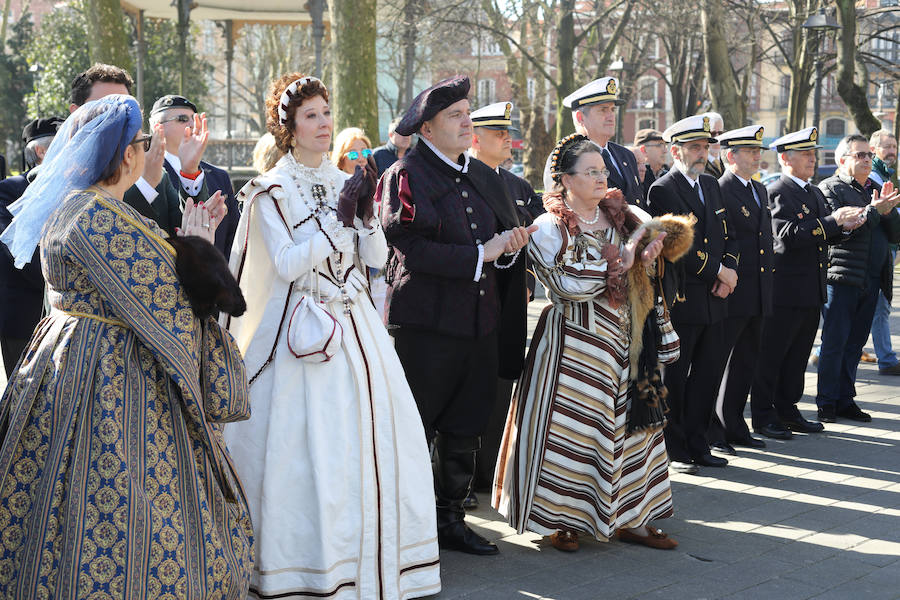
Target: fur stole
642,293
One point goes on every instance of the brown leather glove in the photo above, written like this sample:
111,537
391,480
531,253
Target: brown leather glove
350,194
365,205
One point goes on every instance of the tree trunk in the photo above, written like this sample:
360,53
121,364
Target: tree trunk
107,36
565,50
410,14
353,88
726,98
853,95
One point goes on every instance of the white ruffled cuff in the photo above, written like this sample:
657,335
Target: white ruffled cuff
365,230
341,238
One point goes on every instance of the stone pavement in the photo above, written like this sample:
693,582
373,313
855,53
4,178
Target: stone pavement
814,517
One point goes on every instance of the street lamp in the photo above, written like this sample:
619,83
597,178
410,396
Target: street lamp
819,23
36,69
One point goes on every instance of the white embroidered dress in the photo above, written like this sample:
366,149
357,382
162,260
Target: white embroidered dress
333,460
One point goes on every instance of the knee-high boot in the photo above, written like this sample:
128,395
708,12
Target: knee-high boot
454,470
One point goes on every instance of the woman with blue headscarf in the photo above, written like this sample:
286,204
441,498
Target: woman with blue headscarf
114,481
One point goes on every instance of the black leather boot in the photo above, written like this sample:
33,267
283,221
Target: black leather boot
454,469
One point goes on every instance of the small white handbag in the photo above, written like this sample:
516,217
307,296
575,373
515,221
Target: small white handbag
313,334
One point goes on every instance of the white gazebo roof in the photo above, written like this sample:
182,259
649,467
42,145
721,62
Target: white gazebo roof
257,11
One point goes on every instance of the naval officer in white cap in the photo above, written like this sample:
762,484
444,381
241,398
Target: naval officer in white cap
594,114
709,276
747,206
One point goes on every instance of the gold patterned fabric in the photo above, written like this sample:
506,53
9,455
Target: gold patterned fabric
114,480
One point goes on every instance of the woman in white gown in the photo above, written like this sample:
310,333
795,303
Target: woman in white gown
333,459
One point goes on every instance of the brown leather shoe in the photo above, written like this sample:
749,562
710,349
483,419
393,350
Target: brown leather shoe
655,538
565,540
868,358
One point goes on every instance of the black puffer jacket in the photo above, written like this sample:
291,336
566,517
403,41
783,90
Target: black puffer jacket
866,248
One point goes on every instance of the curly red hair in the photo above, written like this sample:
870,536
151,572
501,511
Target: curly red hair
282,132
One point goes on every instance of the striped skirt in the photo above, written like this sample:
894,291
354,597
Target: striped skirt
565,461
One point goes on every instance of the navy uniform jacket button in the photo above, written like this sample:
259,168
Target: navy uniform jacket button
465,194
481,292
474,226
468,210
457,180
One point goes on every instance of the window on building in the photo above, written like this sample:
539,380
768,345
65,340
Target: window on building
835,128
647,124
646,93
486,91
782,127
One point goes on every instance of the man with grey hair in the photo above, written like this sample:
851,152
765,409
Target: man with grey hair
859,266
884,145
21,290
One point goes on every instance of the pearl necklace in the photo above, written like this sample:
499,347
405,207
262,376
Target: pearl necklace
582,219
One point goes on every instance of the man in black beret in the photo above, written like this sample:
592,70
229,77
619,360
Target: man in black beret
456,296
179,120
654,147
22,290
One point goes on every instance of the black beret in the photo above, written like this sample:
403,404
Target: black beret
41,128
432,101
172,101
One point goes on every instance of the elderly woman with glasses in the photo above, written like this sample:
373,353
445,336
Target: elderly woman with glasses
352,148
114,480
574,458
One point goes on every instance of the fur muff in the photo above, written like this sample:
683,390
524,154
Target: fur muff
206,279
642,293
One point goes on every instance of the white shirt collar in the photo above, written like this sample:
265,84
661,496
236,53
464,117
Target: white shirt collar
462,168
743,181
798,181
174,161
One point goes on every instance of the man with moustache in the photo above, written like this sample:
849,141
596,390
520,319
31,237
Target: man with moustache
458,323
859,271
747,206
593,109
492,145
802,228
709,277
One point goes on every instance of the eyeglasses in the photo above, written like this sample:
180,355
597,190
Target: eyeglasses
595,174
145,139
353,154
861,155
180,118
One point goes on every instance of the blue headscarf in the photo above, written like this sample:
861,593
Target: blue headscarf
83,147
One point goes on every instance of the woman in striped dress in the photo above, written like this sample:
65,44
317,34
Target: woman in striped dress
567,464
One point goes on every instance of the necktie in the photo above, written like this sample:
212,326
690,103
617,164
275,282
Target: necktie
753,193
697,192
614,177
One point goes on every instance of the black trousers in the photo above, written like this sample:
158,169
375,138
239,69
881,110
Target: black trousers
743,339
12,349
454,380
693,381
787,339
492,436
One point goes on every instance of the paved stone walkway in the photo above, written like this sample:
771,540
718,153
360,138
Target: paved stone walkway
814,517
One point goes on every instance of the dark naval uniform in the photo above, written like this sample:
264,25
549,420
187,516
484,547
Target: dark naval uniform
217,179
803,227
693,380
748,305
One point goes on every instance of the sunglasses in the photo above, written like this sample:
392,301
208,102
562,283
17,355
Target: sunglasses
145,139
354,155
179,118
861,155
